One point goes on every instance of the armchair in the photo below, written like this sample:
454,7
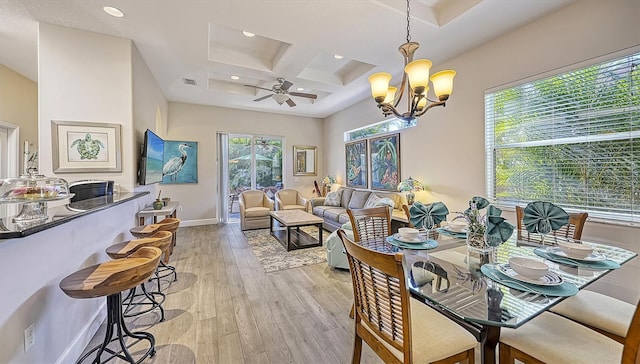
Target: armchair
254,209
290,199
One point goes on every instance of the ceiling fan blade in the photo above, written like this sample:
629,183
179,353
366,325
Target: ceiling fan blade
290,102
285,85
302,94
263,97
261,88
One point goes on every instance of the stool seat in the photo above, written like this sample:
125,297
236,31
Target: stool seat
114,276
160,240
144,230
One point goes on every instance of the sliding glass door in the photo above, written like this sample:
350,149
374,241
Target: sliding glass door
254,162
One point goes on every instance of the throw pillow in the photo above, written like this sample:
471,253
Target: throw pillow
333,198
371,201
386,202
347,226
358,198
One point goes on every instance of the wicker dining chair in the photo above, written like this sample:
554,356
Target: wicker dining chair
550,338
398,328
371,226
573,230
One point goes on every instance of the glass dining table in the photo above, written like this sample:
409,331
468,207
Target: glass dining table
451,279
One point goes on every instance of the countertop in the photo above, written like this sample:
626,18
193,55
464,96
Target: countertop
58,215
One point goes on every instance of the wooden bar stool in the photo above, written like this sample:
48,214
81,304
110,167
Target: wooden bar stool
171,225
110,279
160,240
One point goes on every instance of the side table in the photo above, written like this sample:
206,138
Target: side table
168,211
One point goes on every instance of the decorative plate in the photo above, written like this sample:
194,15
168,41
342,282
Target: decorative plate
593,257
418,240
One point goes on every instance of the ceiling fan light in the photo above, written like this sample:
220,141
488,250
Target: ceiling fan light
418,74
379,85
280,98
443,83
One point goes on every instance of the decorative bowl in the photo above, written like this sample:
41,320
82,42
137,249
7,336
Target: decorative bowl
457,225
529,268
575,250
408,233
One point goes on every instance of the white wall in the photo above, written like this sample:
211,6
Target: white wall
198,123
446,149
19,105
150,110
86,77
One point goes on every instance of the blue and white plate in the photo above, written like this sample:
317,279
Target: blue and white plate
418,240
593,257
549,279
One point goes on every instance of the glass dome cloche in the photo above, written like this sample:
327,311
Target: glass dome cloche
31,191
33,187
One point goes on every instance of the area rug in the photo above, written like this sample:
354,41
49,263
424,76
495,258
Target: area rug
274,257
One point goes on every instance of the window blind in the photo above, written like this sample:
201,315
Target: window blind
571,138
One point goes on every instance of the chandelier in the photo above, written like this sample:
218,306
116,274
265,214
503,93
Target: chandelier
417,74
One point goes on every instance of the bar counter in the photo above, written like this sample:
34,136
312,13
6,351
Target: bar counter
58,215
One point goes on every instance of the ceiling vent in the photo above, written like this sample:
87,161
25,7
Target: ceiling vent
189,81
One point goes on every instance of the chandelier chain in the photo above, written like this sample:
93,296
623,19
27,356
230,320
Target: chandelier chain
408,28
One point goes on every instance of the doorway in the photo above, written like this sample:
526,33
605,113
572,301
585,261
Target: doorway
254,162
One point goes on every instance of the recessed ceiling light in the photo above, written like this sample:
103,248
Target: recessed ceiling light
248,34
115,12
234,77
300,89
337,56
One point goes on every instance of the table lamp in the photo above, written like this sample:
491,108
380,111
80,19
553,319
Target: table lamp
328,180
409,185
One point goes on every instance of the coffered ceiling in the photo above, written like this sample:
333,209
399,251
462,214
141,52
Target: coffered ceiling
193,47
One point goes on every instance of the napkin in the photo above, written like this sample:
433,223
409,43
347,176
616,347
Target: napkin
498,229
427,216
544,217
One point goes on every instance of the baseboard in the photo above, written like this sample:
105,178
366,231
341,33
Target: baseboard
199,222
84,336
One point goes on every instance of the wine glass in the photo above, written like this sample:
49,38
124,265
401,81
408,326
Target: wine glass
544,228
427,225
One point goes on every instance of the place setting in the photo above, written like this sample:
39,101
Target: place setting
529,275
455,229
576,254
410,238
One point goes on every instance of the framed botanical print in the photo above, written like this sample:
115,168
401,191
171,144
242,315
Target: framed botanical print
384,156
356,162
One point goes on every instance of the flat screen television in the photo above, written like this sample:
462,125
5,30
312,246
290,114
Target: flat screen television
152,159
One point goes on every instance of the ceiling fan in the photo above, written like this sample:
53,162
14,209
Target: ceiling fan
281,92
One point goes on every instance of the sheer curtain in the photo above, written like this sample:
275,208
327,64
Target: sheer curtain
222,167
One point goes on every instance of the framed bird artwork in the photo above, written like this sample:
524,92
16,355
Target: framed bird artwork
180,163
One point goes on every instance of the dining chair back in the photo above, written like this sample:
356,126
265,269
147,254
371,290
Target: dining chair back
551,338
573,230
371,226
385,316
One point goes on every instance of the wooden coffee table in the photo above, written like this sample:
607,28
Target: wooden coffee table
285,227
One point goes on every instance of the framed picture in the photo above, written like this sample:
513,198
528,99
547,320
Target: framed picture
85,147
356,162
384,156
304,162
180,164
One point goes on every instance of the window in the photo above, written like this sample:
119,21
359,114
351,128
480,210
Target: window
381,127
572,139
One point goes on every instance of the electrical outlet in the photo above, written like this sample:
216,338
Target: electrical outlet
180,208
29,337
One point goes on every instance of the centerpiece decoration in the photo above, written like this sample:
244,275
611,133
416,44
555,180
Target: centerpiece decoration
427,216
485,232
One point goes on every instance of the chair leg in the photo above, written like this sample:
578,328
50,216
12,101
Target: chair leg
357,349
505,354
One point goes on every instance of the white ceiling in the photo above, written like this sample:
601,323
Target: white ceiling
295,39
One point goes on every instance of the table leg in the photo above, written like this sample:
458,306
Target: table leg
489,337
141,221
288,238
320,234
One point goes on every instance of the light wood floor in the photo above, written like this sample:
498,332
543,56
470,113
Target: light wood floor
225,309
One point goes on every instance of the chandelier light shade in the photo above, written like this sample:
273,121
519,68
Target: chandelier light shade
410,185
416,82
